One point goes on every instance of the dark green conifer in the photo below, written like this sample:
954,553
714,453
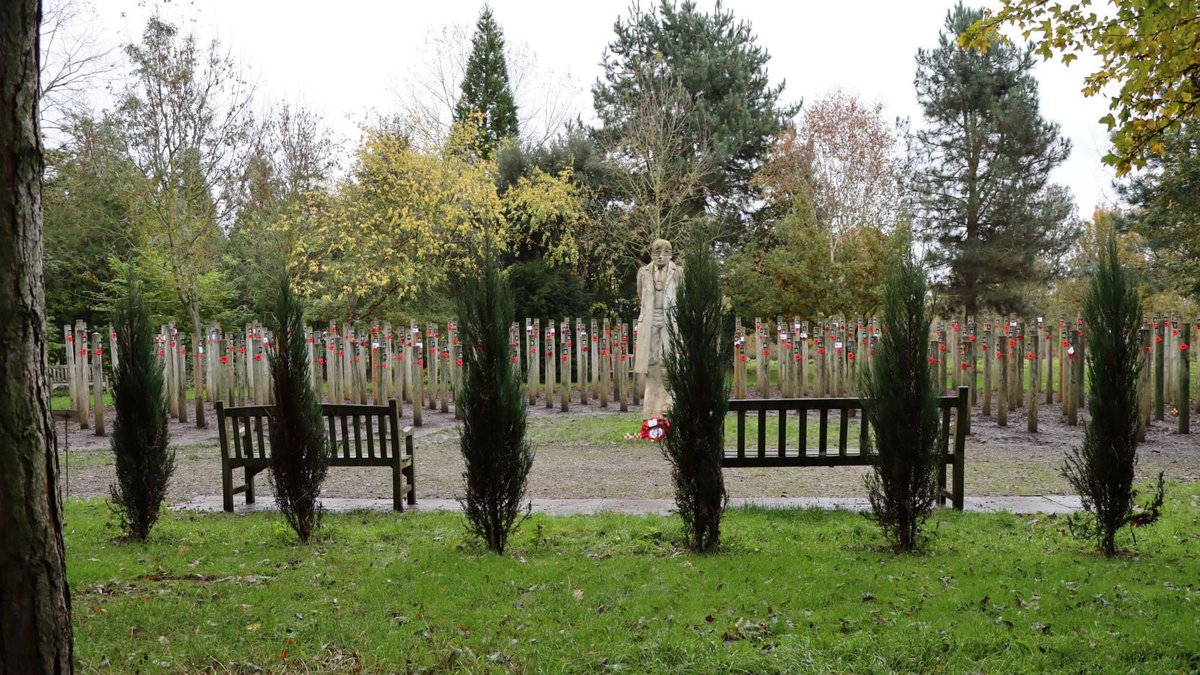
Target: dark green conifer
985,205
900,404
300,455
695,363
144,460
496,456
486,93
1102,470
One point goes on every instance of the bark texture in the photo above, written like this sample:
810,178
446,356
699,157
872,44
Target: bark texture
35,607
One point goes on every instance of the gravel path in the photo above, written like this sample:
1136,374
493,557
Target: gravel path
1006,461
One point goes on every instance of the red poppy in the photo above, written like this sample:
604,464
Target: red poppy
966,366
942,348
1183,346
1030,356
850,356
932,361
460,363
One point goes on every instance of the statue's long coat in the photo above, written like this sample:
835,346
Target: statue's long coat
645,289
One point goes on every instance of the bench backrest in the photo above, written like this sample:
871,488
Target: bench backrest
353,431
953,421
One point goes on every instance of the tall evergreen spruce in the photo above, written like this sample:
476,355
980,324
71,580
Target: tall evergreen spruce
300,450
1102,470
695,363
496,455
900,405
486,92
985,205
717,59
144,460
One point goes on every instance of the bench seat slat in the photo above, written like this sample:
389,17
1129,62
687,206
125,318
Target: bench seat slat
953,408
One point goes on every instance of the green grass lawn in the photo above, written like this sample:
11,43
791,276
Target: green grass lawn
793,591
586,429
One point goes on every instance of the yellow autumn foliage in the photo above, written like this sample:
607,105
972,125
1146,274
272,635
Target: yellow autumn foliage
406,218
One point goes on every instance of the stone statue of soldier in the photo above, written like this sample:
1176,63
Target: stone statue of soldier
656,284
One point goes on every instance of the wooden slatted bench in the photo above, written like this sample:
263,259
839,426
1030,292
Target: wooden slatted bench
953,421
358,435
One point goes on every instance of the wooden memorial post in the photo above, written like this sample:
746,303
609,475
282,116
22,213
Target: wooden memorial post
532,375
1184,386
621,378
416,360
1032,418
604,363
564,389
1003,357
1159,371
581,361
551,362
98,382
83,374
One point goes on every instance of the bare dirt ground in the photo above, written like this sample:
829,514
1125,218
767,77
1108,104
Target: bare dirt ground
1000,461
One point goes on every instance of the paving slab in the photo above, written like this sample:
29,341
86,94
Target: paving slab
569,507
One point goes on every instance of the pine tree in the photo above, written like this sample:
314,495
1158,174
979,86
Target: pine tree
985,205
900,405
695,364
144,461
300,451
716,60
1102,470
497,457
486,93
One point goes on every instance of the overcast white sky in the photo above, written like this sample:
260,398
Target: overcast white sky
347,60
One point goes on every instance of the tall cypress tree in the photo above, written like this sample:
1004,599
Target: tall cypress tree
985,204
144,460
486,92
497,457
695,363
900,404
301,453
1102,471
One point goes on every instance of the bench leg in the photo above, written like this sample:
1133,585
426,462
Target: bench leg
958,481
226,487
410,473
941,484
397,487
249,485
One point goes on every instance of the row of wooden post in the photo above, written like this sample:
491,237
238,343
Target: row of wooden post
1007,363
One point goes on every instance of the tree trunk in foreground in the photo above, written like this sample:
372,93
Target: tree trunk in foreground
35,606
